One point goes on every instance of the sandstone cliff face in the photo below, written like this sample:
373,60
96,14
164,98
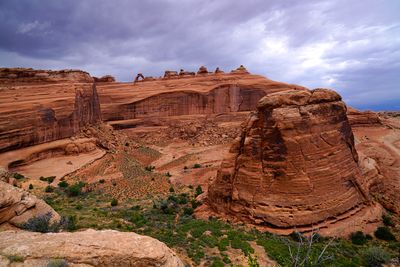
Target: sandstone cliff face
18,206
34,112
201,94
362,118
87,248
294,164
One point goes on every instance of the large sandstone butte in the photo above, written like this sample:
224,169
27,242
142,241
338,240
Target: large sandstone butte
39,106
294,166
87,248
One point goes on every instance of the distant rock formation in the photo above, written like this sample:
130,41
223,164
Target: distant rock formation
86,248
170,74
18,206
104,79
217,70
29,116
294,165
202,70
29,75
240,70
138,77
362,118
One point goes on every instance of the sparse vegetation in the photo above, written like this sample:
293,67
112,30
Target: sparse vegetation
75,189
30,186
196,166
63,184
199,191
57,263
18,176
358,238
49,179
15,258
102,181
387,220
49,189
150,168
114,202
384,233
375,256
41,223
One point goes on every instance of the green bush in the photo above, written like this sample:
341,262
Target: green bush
196,166
252,261
187,211
41,224
387,220
149,168
375,257
18,176
199,191
15,258
63,184
217,263
31,186
50,179
75,189
384,233
68,223
49,189
114,202
57,263
171,189
102,181
358,238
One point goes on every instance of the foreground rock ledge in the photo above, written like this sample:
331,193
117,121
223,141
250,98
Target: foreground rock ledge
87,248
294,166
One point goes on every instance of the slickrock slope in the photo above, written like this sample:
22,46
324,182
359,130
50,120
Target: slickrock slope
186,95
41,106
87,248
18,206
294,165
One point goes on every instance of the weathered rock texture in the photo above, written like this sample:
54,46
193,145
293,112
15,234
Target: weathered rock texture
18,206
104,79
87,248
193,95
36,110
295,164
362,118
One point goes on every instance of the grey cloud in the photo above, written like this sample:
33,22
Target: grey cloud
350,46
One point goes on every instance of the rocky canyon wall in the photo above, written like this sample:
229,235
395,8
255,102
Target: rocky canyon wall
37,108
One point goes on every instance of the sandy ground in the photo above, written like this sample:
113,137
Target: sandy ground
58,166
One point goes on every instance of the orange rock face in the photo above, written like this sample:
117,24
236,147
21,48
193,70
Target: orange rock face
362,118
41,106
294,164
204,94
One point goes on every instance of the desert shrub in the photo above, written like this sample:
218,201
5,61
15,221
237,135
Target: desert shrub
149,168
168,174
199,191
384,233
50,179
31,186
187,211
102,181
375,257
15,258
217,263
137,218
185,168
49,189
252,261
114,202
194,203
358,238
196,166
63,184
79,207
41,224
223,244
75,189
183,199
57,263
296,236
387,220
68,223
171,189
18,176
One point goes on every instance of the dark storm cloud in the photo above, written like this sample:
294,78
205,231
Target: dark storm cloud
351,46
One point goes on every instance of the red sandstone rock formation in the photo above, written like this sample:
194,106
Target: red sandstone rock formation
202,70
37,110
104,79
204,94
362,118
294,165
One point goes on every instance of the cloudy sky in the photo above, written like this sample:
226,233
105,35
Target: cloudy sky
350,46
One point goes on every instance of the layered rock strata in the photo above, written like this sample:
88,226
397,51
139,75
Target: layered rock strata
87,248
18,206
294,164
36,110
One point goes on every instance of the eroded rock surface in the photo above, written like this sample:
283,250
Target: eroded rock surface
41,106
18,206
87,248
294,165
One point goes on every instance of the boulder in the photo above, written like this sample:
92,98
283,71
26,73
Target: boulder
86,248
18,206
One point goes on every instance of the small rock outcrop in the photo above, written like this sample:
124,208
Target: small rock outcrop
104,79
18,206
362,118
202,70
295,164
87,248
240,70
